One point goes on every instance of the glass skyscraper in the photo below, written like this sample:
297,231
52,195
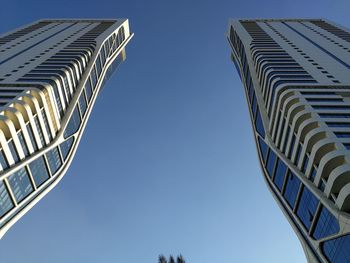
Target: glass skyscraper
51,72
296,75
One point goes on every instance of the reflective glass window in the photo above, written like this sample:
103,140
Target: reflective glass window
54,160
263,148
23,143
82,104
39,171
38,127
259,125
271,163
98,66
93,78
73,124
280,173
46,123
292,189
307,207
31,136
3,161
66,146
88,90
326,224
5,200
13,150
20,184
337,250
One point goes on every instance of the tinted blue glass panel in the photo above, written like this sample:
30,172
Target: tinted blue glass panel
339,124
300,147
54,160
342,134
73,124
39,171
271,163
305,163
347,146
88,90
23,143
313,173
263,148
334,115
38,127
259,125
307,207
337,250
13,151
292,189
5,200
31,136
65,147
292,143
326,225
3,161
93,78
20,184
82,104
280,173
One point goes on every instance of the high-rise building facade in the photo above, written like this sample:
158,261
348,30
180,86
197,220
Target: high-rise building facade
51,72
296,74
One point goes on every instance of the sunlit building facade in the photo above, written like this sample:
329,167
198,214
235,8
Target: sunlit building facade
296,75
51,72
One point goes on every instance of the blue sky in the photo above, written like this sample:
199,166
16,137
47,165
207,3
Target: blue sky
167,163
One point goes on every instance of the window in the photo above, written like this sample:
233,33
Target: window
326,225
271,163
339,124
88,90
40,132
337,250
292,189
263,148
39,171
31,136
259,125
73,124
66,146
20,184
23,143
3,161
13,150
281,170
82,104
54,160
5,200
342,134
46,123
307,207
93,78
305,163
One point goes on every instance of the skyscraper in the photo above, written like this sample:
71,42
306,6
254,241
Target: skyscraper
51,72
296,75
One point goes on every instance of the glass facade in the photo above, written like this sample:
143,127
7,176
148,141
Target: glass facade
20,184
66,146
307,207
6,203
39,171
54,160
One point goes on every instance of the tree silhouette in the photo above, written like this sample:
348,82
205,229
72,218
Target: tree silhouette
162,259
179,259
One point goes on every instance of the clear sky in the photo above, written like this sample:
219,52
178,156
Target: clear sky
167,163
